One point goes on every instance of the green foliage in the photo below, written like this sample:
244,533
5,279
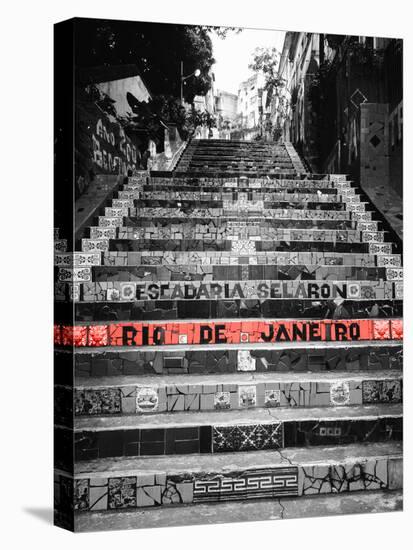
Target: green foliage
266,60
156,48
162,109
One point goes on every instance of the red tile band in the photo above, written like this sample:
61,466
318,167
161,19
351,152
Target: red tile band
233,332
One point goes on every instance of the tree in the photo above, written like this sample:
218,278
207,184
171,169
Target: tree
156,48
160,110
266,61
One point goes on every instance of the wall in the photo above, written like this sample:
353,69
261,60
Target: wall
101,144
117,90
374,144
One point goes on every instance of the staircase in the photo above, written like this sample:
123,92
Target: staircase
238,347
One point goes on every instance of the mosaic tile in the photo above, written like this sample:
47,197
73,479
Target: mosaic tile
339,393
222,400
272,398
394,274
95,402
380,248
247,396
245,361
382,391
98,233
81,495
259,483
60,245
109,222
101,245
71,274
147,399
398,290
122,492
247,438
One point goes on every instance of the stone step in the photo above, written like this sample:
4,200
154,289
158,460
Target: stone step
270,204
238,215
207,273
153,395
235,309
225,331
247,197
281,358
126,242
123,484
159,176
251,225
256,187
106,289
357,502
233,430
242,234
284,260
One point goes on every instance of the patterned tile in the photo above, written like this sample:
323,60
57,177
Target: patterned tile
260,483
247,437
147,399
94,402
122,492
245,361
340,393
222,400
247,396
382,391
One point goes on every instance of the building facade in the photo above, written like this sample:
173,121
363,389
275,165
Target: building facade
342,105
226,105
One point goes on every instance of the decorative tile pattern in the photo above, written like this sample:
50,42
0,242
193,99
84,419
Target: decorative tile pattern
89,245
245,361
93,402
81,495
380,248
247,396
147,399
260,483
247,438
103,232
394,274
382,391
122,492
243,247
340,393
222,400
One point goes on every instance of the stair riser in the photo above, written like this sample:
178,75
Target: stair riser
205,196
237,309
103,291
216,361
255,226
226,332
208,273
241,205
141,399
239,233
97,493
218,214
275,434
287,260
245,247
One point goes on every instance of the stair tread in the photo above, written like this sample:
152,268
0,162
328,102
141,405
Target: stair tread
221,462
236,512
220,347
240,377
237,416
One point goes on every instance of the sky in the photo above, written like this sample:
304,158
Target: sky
234,53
